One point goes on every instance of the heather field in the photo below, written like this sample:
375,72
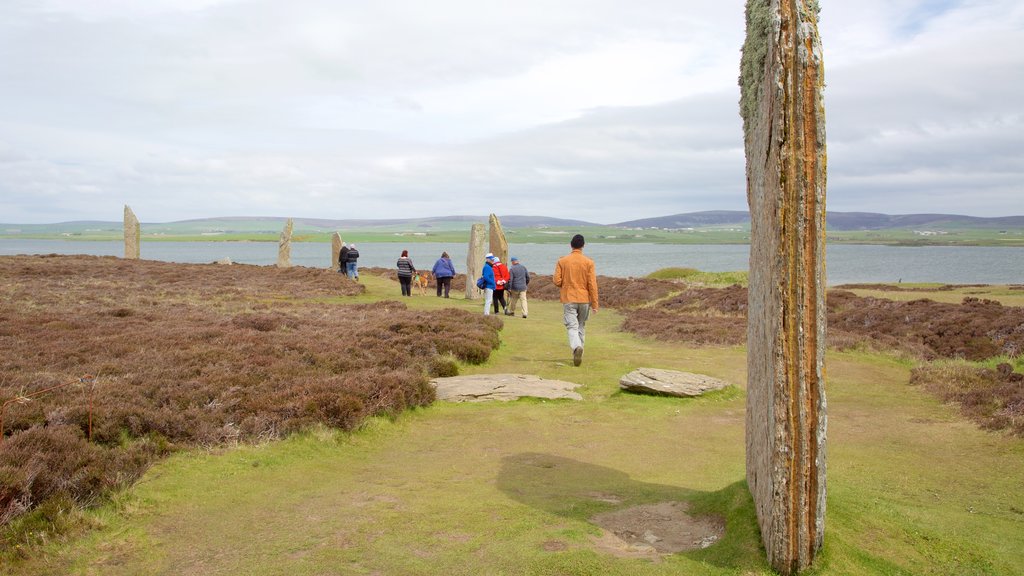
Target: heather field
249,420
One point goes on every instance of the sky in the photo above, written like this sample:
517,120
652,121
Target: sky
597,110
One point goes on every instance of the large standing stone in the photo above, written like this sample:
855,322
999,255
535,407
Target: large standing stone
784,128
284,246
497,243
335,251
132,235
474,260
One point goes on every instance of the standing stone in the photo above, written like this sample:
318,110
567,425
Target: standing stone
132,235
781,85
498,245
284,246
335,251
474,261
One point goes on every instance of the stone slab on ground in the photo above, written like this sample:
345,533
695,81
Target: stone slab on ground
669,383
503,387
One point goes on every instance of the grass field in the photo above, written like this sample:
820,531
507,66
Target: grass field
509,488
267,230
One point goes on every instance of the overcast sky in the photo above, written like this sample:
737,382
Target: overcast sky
601,110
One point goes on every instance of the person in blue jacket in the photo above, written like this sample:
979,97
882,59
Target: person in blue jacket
488,276
444,271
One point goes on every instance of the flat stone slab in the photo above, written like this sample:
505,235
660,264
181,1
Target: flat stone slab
502,387
669,383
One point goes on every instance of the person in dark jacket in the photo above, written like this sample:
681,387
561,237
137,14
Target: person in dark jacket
519,279
405,273
350,262
343,259
444,271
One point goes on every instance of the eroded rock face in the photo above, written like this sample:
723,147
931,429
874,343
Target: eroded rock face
669,383
784,128
132,235
284,246
502,387
335,251
497,244
475,260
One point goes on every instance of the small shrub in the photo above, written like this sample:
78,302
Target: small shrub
992,398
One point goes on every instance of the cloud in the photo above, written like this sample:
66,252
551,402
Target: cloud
604,110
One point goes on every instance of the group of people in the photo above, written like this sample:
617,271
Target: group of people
347,258
496,279
576,279
575,276
443,271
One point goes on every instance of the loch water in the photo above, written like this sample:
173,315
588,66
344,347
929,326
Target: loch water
845,263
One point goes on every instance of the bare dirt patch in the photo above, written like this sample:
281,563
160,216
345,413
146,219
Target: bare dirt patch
652,530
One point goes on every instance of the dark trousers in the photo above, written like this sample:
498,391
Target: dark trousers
447,283
406,282
499,298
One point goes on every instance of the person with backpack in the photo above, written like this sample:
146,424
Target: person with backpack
486,282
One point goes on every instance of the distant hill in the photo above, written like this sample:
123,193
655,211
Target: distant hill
273,224
692,220
835,221
512,221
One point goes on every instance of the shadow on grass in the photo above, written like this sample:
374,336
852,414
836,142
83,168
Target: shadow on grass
578,490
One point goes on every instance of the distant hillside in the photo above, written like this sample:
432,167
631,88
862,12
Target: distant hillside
837,221
692,220
270,224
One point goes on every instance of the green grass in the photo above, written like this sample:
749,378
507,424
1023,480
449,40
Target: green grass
1000,293
694,276
481,489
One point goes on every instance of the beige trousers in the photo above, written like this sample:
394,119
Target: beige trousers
517,296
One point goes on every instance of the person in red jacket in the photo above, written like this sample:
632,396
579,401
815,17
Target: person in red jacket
501,278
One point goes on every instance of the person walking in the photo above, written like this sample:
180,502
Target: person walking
500,282
519,279
486,282
350,263
405,273
576,279
343,259
443,271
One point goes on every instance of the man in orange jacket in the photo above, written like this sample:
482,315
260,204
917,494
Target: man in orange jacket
577,279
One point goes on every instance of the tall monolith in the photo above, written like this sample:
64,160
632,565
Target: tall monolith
335,251
497,244
475,260
781,84
132,235
284,246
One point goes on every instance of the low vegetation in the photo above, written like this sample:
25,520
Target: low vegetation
975,330
994,398
459,489
699,277
186,355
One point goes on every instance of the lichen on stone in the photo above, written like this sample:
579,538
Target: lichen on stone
752,63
